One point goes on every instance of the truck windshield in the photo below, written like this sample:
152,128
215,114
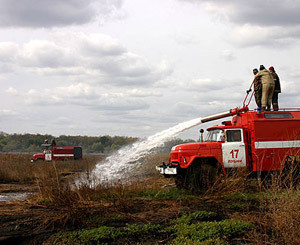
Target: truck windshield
215,135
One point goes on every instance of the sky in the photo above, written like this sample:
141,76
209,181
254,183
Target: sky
136,67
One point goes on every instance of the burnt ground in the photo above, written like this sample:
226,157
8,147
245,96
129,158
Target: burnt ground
26,222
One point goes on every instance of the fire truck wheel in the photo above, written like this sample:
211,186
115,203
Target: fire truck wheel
201,177
290,176
179,182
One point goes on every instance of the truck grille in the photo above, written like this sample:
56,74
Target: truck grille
174,156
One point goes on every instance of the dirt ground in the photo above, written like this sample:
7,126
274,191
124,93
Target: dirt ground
20,220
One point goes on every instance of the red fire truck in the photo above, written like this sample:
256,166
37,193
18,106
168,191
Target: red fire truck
58,153
262,142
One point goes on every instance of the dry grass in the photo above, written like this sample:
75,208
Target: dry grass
275,210
86,198
278,221
18,168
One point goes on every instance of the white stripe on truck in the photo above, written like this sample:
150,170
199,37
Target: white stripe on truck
277,144
63,155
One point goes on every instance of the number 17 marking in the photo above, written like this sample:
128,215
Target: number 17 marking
236,153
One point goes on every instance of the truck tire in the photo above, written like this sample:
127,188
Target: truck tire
201,177
290,176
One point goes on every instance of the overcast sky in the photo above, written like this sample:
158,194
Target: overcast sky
136,67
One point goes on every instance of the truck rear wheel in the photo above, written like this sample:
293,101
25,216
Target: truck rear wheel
290,176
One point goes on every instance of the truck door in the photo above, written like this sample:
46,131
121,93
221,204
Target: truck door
48,155
233,150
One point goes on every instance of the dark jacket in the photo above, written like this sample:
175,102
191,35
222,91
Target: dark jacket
277,82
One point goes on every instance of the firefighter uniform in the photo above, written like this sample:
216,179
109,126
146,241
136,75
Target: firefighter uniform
268,86
277,89
257,90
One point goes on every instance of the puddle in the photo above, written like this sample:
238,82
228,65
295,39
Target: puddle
13,196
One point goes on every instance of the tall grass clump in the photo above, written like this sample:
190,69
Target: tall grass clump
280,210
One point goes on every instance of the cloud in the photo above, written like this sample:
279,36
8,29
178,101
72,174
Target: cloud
227,55
7,113
256,12
51,13
45,54
271,36
8,51
86,96
11,91
143,93
95,58
209,84
99,45
257,23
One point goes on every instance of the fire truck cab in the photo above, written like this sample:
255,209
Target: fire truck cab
58,153
260,142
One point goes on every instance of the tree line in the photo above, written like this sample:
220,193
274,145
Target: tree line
90,144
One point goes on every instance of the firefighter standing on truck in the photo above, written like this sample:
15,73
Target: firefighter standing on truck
268,86
257,90
277,89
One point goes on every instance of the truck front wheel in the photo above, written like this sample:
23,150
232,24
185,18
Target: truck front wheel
200,176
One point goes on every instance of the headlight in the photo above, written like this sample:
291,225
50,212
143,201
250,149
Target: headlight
173,148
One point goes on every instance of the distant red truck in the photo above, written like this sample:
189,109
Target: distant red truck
58,153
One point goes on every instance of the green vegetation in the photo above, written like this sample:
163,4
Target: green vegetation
213,232
96,144
224,230
167,194
196,216
103,234
245,196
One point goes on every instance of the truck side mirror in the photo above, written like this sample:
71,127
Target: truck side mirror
201,134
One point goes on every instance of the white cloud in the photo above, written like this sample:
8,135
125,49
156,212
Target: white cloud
86,96
94,58
274,36
209,84
227,55
143,93
257,23
99,45
8,51
11,91
7,112
45,54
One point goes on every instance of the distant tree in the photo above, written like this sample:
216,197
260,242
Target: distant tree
12,145
33,148
97,147
105,140
115,147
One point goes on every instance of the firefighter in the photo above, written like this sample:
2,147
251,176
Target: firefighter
277,89
257,90
53,142
268,86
